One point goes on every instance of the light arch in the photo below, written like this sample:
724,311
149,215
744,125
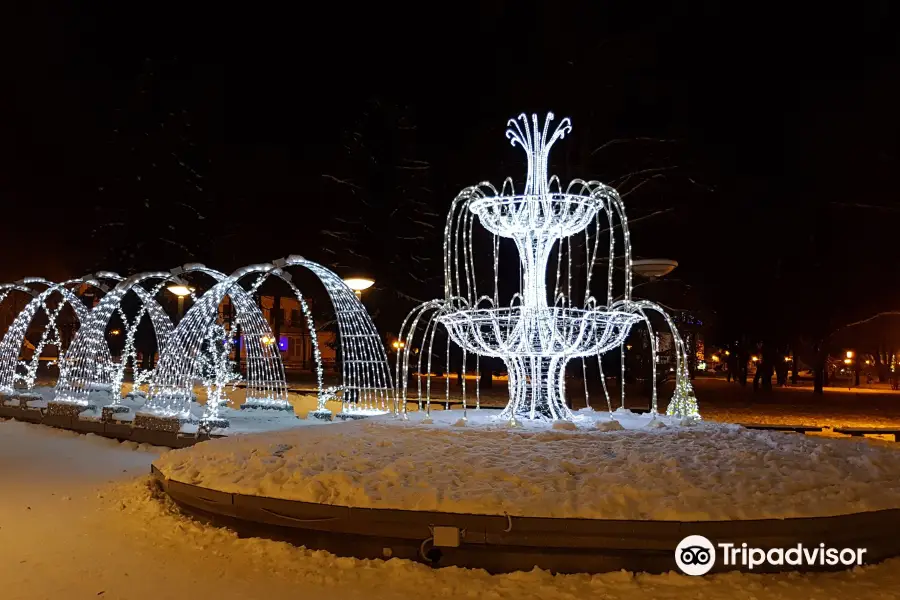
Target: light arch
92,372
366,378
365,374
88,368
171,389
12,341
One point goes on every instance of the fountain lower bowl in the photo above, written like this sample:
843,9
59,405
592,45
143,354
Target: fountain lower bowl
546,332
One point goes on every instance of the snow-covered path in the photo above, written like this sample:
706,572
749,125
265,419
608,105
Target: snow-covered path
77,520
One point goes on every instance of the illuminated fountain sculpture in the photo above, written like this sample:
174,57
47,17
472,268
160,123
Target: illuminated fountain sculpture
542,329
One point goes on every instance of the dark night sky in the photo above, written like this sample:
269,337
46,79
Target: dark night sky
775,124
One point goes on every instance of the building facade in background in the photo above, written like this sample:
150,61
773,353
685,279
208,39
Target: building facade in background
293,335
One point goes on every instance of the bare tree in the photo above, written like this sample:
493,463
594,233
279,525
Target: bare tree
154,202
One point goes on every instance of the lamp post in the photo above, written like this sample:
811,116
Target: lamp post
180,290
653,268
853,362
359,284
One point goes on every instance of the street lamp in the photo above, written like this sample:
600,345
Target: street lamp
358,284
653,268
181,291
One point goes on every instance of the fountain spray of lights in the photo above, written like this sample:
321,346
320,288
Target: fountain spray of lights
534,337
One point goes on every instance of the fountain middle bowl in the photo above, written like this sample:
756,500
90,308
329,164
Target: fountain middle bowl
545,331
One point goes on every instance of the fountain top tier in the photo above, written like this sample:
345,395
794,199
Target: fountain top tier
542,212
536,220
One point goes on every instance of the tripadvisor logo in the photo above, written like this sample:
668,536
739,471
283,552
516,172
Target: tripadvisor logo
696,555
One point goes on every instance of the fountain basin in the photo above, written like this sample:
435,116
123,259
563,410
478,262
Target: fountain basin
545,331
620,499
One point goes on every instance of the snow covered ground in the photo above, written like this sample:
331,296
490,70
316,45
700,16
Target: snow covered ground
78,520
708,471
805,414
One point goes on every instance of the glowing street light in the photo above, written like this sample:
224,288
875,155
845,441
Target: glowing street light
849,354
653,268
358,284
180,290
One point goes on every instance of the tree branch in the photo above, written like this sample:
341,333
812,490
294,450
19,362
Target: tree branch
340,181
869,206
626,140
886,313
633,221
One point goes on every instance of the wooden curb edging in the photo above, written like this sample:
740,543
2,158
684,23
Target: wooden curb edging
117,430
501,544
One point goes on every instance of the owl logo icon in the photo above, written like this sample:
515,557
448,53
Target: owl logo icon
695,555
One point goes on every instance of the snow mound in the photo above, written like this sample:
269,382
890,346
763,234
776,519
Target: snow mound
611,425
705,472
